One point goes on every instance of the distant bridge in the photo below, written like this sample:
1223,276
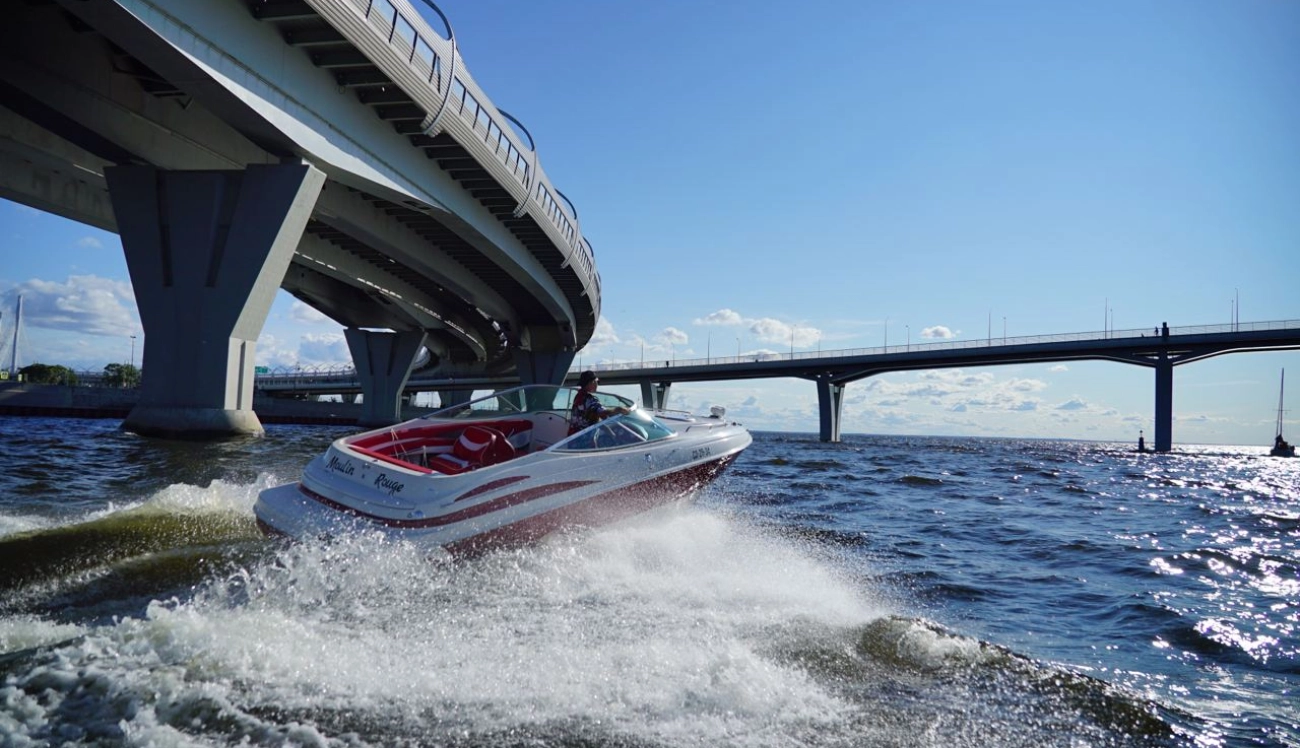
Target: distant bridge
832,371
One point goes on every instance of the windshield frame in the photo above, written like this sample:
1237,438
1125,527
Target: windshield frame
523,400
634,429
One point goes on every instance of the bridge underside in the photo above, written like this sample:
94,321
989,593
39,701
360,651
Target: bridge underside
86,87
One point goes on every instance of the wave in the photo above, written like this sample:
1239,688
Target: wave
176,528
913,669
919,480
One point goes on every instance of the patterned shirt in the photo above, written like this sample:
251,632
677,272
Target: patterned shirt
586,411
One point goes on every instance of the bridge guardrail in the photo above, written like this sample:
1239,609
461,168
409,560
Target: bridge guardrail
1150,333
406,32
335,375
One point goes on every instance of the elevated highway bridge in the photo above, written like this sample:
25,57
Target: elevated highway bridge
339,149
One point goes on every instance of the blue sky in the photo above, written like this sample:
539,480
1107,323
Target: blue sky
834,170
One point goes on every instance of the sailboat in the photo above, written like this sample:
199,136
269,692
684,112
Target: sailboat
1280,447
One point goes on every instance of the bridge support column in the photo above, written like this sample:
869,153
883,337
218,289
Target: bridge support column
206,251
654,395
544,356
383,361
830,403
1164,404
448,398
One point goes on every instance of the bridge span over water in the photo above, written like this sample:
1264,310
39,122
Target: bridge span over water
339,149
1158,349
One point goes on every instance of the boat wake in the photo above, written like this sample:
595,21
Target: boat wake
126,553
686,628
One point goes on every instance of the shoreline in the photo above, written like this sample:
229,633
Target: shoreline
63,401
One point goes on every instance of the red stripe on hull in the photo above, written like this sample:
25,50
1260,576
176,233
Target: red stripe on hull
491,486
597,510
487,507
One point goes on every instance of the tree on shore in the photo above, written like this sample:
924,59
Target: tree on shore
121,375
47,374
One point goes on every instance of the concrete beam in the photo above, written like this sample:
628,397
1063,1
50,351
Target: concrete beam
1164,404
206,251
349,212
654,395
543,354
830,405
449,397
383,361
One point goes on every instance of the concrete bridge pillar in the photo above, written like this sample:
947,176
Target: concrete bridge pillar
383,361
654,395
830,403
207,251
544,355
1164,404
448,398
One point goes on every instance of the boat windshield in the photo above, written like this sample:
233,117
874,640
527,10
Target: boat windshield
534,398
637,427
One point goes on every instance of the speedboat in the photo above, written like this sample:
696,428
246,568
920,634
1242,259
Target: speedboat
502,471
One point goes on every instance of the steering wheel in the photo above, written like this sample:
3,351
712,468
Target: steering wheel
637,429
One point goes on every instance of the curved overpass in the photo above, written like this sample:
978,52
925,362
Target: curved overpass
402,198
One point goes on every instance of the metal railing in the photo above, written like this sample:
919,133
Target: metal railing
956,345
346,373
418,45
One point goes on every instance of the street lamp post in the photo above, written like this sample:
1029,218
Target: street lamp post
909,336
133,351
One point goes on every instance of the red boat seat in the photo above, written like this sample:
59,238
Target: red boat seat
477,446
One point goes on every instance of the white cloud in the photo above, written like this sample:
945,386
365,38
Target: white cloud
1057,369
939,332
307,314
328,349
89,242
721,317
85,304
1073,403
673,336
1026,385
313,350
766,329
604,334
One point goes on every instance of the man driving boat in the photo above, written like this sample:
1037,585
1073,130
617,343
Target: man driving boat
587,410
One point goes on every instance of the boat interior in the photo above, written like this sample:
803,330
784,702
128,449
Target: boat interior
454,448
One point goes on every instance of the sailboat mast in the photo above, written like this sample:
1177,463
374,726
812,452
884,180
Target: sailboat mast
18,324
1281,389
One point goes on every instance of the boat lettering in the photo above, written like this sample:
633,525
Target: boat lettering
701,452
340,466
384,483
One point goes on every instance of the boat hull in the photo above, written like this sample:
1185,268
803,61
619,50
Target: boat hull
511,519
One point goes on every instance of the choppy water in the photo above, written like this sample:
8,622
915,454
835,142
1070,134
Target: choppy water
880,592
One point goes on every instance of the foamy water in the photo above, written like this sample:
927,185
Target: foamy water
653,630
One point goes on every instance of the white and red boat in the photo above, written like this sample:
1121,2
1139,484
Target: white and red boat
502,471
